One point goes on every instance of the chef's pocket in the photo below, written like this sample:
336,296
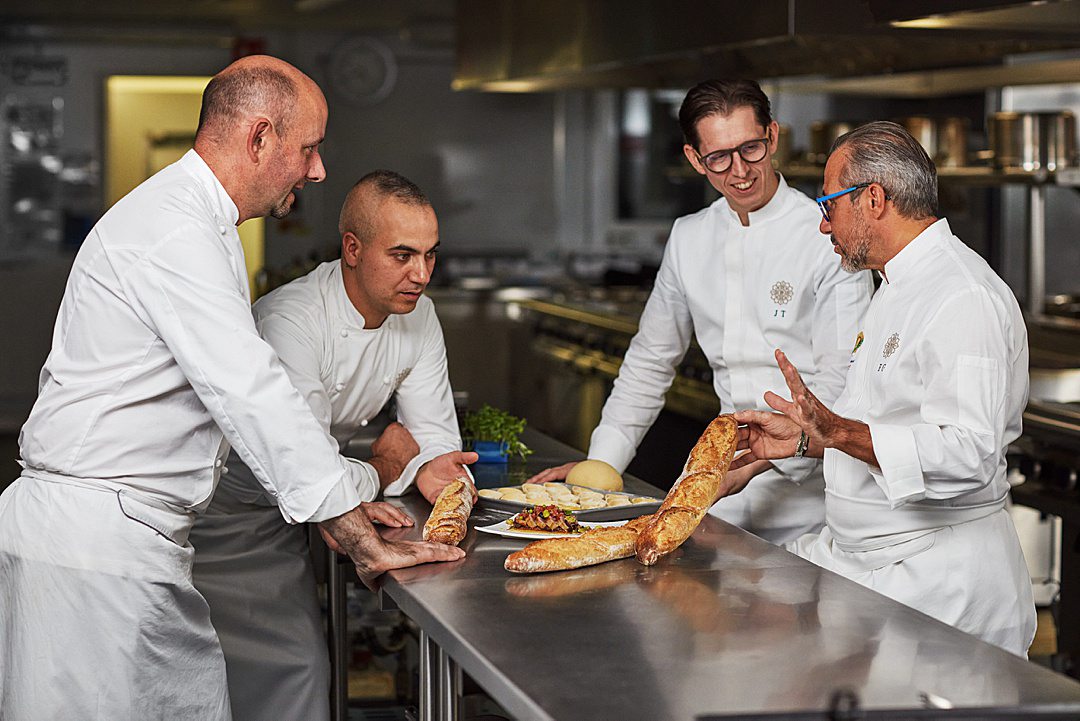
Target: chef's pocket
172,525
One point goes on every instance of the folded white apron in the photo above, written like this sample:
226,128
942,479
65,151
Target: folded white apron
98,617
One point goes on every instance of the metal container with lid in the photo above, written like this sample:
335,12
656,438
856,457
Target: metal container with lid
944,139
823,134
1033,141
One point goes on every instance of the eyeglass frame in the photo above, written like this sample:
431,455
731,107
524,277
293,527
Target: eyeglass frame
737,149
824,200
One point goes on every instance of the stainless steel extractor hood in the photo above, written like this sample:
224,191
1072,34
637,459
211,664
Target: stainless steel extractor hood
548,44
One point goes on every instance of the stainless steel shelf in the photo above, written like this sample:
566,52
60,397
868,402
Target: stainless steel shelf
969,175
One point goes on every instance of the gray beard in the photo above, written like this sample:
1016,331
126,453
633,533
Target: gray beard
855,261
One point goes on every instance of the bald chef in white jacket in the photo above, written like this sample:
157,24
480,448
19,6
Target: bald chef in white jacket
352,334
155,369
915,446
745,275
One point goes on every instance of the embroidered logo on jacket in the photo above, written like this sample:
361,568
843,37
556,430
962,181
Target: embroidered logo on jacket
782,292
891,345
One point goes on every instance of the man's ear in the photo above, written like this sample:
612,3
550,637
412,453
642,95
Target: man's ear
258,138
877,197
691,155
350,249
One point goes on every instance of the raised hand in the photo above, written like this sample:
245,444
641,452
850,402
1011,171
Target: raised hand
558,473
804,408
437,473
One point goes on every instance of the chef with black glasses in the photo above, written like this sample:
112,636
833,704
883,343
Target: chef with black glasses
749,273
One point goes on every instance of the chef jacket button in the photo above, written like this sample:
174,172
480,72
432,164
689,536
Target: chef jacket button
218,463
339,387
344,333
222,229
386,379
224,470
363,422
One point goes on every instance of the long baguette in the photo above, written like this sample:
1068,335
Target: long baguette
689,499
597,545
448,522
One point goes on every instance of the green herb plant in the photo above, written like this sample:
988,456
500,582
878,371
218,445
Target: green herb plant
492,424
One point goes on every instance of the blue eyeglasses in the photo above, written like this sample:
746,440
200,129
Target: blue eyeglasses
825,201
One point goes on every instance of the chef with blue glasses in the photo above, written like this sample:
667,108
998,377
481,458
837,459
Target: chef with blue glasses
914,447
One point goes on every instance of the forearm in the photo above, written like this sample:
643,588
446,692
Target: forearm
355,534
847,436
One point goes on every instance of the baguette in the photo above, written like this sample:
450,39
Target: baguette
448,522
689,499
597,545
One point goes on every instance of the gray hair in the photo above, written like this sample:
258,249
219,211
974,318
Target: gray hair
361,202
885,153
252,90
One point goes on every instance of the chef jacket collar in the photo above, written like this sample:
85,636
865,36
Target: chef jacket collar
195,166
346,311
776,206
911,256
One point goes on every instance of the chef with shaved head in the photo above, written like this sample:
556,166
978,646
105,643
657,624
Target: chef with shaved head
156,369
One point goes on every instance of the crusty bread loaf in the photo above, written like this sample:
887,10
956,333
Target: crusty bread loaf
689,499
448,522
594,546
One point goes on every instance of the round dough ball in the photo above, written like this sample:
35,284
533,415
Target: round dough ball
595,474
489,493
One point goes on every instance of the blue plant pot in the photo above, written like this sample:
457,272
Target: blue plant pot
490,451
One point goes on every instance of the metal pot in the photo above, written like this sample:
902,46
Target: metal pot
944,139
1033,141
823,134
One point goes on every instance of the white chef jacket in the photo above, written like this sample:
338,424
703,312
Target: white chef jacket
155,356
941,379
347,373
743,291
255,573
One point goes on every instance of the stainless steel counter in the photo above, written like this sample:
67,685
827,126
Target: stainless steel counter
727,625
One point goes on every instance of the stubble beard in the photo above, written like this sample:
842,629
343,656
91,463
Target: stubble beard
282,209
856,258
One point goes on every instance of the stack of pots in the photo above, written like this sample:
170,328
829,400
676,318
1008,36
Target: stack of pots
1033,141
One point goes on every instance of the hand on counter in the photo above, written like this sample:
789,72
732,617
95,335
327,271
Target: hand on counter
437,473
558,473
377,512
391,452
372,555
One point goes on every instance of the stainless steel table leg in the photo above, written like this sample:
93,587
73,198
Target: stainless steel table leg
449,687
336,600
427,678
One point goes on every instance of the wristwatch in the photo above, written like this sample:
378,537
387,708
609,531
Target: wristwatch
804,444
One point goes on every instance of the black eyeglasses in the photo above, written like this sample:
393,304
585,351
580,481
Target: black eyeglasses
752,151
826,201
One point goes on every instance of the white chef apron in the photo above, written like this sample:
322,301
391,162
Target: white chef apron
98,617
255,571
970,575
776,509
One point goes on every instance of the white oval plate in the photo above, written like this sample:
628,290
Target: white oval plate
502,528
